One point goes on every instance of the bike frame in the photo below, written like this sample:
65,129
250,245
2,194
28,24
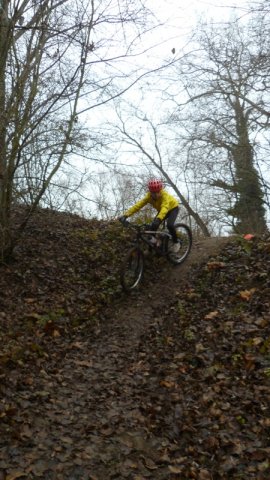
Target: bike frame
144,236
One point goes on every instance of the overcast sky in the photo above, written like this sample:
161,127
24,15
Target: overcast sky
181,16
187,11
177,18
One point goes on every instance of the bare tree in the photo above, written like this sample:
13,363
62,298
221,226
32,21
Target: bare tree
131,133
219,79
49,57
114,190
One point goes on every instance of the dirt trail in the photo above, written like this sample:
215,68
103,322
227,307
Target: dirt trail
87,416
157,293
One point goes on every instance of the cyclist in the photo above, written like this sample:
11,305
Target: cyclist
166,205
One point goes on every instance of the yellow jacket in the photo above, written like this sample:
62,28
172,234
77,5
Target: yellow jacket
163,204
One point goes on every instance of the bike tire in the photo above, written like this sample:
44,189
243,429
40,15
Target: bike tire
184,235
132,269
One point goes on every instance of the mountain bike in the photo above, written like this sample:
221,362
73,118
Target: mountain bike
160,241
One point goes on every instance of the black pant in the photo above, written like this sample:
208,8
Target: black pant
171,217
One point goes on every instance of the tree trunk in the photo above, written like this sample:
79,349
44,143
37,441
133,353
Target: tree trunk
248,209
4,47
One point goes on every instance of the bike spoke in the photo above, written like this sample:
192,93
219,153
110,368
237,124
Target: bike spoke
132,269
184,236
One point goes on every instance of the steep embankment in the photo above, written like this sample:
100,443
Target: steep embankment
171,382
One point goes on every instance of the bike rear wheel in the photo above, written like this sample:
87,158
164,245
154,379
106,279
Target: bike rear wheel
184,236
132,269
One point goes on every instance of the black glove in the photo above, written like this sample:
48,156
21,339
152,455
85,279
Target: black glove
155,224
123,219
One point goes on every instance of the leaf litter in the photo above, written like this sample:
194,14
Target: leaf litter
171,382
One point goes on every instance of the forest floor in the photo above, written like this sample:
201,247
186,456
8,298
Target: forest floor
171,382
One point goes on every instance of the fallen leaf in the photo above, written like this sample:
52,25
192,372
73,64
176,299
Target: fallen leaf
174,469
149,464
249,236
107,432
79,345
211,443
84,363
204,475
26,432
67,440
15,474
168,341
211,315
167,383
265,422
28,381
32,315
180,356
247,294
249,361
215,265
264,466
130,464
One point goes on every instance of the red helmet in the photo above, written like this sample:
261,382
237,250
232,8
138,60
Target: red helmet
155,185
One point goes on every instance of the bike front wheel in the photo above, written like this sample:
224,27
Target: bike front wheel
184,236
132,269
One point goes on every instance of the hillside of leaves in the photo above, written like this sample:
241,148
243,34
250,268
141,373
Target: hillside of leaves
169,383
65,271
212,356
